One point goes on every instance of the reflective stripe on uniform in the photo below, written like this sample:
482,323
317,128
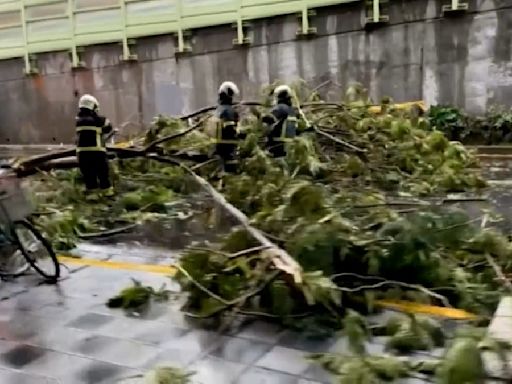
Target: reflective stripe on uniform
220,126
91,149
284,127
98,147
93,129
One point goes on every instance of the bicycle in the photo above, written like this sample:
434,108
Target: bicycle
20,234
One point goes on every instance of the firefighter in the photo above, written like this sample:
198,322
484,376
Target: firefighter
226,135
91,150
282,122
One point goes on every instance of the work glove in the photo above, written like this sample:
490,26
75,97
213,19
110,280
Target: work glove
268,119
307,130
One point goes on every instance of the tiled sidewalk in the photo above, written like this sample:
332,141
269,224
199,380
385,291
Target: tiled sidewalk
65,334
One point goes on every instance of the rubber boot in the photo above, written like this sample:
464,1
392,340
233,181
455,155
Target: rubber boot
109,192
92,196
230,166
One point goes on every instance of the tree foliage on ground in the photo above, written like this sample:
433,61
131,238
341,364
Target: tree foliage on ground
145,191
168,375
136,299
328,208
326,205
462,361
335,203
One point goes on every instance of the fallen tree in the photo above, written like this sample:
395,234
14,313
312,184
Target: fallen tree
321,230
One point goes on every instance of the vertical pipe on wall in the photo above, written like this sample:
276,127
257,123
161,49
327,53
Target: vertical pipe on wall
71,14
305,18
126,48
181,39
26,57
376,11
241,38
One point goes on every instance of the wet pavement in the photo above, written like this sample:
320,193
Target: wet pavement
65,333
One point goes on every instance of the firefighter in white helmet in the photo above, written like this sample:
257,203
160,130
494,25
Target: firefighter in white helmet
91,149
226,135
281,122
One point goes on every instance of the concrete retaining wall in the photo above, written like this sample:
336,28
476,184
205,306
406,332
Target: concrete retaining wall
465,61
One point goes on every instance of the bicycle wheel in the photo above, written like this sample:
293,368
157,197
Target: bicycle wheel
37,250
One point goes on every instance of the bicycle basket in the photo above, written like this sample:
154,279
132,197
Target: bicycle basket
14,201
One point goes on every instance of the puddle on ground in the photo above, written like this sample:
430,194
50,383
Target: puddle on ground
22,355
201,219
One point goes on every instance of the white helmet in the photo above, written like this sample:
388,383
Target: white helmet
282,91
88,102
229,88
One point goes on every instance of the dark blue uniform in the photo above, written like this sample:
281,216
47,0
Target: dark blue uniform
283,127
91,149
227,135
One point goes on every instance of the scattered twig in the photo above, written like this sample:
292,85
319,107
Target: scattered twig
318,87
380,284
339,141
107,233
497,269
463,199
362,277
197,166
151,146
248,251
499,272
201,286
395,203
211,250
458,225
228,303
270,315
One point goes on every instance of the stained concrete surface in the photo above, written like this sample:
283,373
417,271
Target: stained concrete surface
465,61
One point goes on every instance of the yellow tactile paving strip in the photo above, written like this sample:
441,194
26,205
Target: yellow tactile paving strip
417,308
108,264
403,306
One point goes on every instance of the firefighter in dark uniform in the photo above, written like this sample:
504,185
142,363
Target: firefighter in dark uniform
91,149
226,135
282,122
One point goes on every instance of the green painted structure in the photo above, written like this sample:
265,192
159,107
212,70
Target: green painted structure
28,27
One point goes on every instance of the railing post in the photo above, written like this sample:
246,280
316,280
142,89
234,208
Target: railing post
306,30
376,18
76,62
241,26
127,54
456,7
29,60
183,47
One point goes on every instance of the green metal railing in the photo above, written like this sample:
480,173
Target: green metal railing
28,27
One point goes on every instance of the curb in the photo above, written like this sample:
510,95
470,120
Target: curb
500,329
